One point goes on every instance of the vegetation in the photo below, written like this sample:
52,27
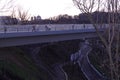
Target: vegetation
96,12
16,65
112,7
24,18
99,59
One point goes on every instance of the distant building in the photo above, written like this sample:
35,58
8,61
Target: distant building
7,20
36,20
38,17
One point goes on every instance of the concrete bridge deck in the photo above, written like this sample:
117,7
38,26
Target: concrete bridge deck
60,33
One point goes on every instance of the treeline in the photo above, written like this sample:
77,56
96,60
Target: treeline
97,17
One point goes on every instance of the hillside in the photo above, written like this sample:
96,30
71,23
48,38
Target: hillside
19,63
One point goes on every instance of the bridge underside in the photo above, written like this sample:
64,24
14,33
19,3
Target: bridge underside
18,39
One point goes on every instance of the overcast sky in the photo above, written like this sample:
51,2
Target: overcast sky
48,8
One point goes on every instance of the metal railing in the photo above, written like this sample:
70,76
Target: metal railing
45,27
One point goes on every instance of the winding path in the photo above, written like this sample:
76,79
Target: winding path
81,57
55,71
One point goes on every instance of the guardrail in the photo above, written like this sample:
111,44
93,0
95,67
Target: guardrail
45,27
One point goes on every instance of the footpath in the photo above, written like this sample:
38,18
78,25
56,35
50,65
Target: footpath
81,57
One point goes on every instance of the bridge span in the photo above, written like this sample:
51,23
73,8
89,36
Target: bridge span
8,39
25,38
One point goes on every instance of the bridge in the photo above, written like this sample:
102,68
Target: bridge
33,34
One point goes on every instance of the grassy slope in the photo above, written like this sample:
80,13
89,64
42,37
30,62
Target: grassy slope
17,65
99,59
15,62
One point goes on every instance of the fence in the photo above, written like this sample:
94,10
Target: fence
45,27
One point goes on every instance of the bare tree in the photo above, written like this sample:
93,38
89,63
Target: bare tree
13,13
23,15
112,8
5,5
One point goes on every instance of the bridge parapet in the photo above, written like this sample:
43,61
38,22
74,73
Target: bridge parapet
44,27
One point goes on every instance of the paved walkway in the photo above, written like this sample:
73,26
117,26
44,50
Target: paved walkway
81,57
55,71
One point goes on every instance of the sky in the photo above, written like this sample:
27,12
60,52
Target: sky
48,8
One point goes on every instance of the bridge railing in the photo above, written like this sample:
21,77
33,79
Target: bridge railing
45,27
